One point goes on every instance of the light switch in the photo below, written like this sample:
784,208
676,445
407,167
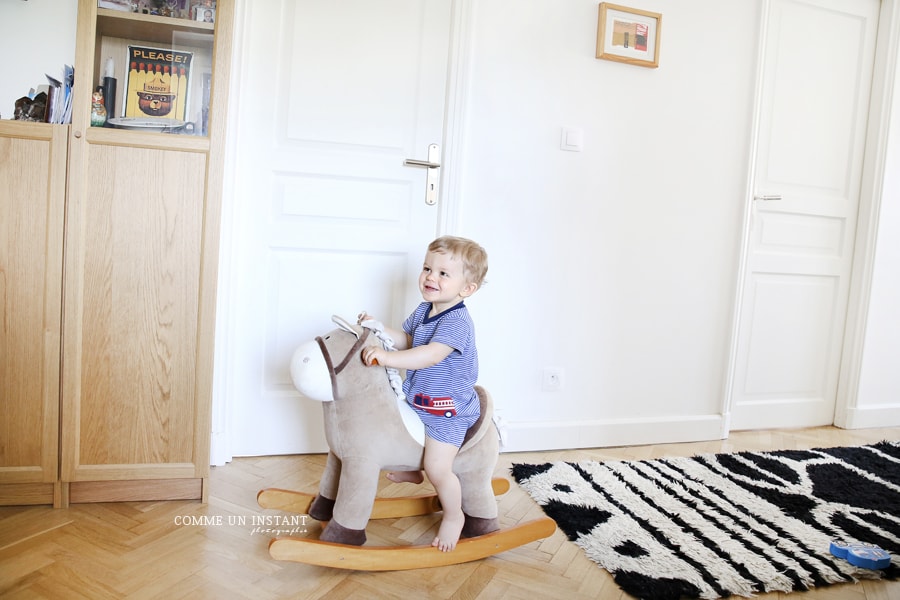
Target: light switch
571,139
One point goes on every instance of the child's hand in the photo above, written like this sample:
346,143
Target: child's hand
363,316
370,355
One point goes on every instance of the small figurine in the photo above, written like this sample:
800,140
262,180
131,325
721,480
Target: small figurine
30,109
98,109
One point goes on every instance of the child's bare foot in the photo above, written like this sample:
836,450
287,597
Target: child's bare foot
448,534
406,476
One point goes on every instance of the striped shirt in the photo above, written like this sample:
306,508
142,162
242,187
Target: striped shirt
444,394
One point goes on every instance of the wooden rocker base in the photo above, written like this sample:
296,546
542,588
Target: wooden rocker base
383,508
402,558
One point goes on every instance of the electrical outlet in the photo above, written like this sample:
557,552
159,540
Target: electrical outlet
551,379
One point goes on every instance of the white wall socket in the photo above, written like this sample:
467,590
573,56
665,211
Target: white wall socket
551,379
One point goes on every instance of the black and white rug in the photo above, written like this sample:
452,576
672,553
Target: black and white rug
717,525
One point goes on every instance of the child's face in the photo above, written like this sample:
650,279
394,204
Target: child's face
443,281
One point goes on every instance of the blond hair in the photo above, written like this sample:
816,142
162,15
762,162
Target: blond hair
473,256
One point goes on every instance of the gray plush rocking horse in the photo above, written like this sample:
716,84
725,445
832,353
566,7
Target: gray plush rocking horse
369,428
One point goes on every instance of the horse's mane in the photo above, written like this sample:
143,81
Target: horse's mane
377,328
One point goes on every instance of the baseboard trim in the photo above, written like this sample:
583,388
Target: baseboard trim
26,494
135,490
871,417
566,435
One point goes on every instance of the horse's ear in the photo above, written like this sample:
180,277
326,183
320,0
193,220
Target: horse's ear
345,325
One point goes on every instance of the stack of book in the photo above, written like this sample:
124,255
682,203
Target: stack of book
59,97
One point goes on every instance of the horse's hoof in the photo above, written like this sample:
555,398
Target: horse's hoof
476,526
337,533
321,509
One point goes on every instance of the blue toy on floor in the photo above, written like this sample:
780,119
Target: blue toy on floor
867,556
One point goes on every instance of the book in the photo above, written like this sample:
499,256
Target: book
59,97
157,83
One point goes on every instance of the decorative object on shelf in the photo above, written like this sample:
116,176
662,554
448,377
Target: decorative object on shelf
203,11
31,109
206,14
123,5
150,7
156,125
108,83
98,109
157,83
628,35
177,9
205,86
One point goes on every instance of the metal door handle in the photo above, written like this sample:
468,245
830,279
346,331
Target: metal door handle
768,197
414,162
431,177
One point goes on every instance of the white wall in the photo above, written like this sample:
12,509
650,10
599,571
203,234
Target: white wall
37,38
618,263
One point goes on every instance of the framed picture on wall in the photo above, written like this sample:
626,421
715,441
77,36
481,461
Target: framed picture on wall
628,35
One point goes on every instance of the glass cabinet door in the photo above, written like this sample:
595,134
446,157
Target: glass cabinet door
151,65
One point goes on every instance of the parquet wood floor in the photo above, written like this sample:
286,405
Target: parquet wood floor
179,550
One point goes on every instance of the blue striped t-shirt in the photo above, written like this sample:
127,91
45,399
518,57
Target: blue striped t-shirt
444,394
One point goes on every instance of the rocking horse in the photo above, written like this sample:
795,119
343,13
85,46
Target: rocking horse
369,428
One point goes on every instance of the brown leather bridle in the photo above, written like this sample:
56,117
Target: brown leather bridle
334,371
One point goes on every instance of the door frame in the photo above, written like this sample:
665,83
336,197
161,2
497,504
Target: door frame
887,54
870,197
459,61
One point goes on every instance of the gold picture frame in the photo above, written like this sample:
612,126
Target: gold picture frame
628,35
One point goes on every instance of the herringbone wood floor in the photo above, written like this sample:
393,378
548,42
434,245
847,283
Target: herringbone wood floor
189,550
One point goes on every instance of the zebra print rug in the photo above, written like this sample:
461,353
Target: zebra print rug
717,525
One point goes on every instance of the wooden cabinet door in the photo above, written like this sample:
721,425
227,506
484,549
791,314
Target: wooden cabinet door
33,184
131,412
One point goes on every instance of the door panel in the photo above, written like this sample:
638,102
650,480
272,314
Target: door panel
795,307
133,265
816,75
32,177
335,96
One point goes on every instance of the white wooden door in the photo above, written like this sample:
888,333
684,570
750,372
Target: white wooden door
335,95
816,75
